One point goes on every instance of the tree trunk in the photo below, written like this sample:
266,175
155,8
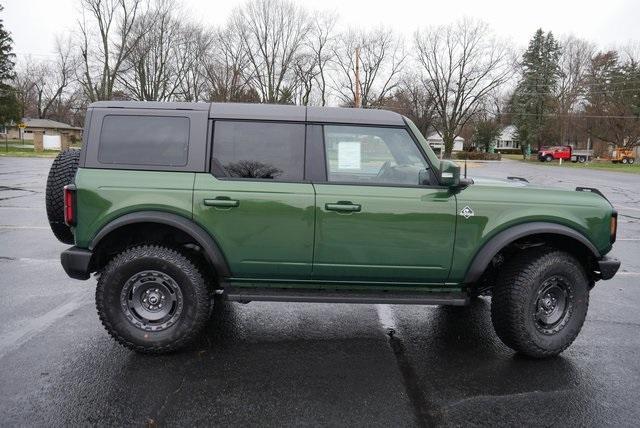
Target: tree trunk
448,145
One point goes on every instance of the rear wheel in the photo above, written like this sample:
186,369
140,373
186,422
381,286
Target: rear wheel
152,299
582,159
625,160
540,302
62,172
631,160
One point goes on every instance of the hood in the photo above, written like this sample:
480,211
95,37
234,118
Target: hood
487,181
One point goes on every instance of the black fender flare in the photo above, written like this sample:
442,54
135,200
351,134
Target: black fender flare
488,251
211,249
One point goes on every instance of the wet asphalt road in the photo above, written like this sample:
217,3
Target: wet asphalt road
303,364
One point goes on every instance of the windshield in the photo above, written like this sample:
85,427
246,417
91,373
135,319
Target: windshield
425,145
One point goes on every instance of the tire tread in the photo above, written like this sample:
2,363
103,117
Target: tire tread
189,269
510,297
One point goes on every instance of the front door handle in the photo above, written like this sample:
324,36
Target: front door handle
343,206
221,202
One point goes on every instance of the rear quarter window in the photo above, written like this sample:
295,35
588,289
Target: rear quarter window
144,140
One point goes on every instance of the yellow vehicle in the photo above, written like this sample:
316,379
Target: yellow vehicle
623,156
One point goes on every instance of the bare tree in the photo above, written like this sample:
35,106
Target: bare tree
382,57
57,78
322,38
24,83
152,71
227,67
41,84
306,71
571,87
460,63
104,52
412,100
191,51
273,32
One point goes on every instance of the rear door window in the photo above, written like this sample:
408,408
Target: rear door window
144,140
259,150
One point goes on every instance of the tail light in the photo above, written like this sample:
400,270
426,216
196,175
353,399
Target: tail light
70,204
613,228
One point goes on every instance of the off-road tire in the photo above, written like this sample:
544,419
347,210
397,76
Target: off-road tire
515,298
62,172
194,293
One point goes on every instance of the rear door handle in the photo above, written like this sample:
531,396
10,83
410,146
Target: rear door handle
343,206
221,202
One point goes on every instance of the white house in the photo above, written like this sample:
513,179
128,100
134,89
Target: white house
437,143
507,139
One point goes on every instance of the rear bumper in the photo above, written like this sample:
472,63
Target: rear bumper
608,267
76,262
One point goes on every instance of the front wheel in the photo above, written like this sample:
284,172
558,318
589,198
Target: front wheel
631,160
625,160
540,302
548,158
152,299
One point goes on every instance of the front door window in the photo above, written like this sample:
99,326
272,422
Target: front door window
370,155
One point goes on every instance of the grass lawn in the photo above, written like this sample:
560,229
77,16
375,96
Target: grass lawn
17,148
598,165
26,152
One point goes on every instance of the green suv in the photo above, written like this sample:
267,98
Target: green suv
173,204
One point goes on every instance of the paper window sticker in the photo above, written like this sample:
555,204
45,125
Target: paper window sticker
349,155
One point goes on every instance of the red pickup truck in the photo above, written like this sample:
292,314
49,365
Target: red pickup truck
564,152
555,152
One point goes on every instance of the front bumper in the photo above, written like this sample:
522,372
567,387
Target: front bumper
76,262
608,266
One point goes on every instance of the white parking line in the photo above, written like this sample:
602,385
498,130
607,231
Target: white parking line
627,208
9,226
14,339
386,317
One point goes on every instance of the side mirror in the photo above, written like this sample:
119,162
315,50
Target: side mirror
449,173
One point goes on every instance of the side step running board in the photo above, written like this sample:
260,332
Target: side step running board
245,294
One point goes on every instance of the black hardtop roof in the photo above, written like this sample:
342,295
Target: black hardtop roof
282,112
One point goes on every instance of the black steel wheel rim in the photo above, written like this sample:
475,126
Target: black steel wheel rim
553,305
151,300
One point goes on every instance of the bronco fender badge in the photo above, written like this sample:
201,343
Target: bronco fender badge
466,212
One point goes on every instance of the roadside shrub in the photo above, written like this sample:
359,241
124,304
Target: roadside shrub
478,156
510,151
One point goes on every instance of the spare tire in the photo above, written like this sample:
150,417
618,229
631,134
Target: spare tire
62,172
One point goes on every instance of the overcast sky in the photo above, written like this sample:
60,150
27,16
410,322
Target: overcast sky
35,23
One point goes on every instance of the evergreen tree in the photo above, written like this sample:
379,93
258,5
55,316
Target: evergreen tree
533,98
9,105
613,99
6,53
485,134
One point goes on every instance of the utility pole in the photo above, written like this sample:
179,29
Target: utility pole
358,97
